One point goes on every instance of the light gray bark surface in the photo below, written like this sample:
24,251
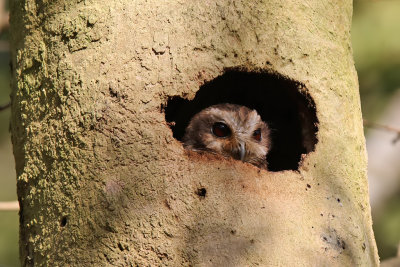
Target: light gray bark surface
102,181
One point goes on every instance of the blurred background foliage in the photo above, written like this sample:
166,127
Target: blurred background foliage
376,47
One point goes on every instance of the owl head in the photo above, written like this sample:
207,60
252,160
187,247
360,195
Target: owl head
230,130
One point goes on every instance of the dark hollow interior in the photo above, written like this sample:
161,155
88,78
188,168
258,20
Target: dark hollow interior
282,103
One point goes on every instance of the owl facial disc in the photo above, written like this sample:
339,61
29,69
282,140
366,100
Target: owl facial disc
231,131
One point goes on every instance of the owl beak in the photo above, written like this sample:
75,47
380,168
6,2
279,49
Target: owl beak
242,151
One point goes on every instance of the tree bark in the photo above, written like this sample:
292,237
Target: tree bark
101,179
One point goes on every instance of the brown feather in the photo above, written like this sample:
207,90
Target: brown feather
242,122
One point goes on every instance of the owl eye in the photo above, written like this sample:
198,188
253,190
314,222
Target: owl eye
257,134
220,129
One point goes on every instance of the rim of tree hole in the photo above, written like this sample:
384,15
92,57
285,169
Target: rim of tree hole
284,104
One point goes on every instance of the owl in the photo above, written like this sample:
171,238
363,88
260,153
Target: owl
230,130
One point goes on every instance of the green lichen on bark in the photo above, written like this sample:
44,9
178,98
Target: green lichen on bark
102,181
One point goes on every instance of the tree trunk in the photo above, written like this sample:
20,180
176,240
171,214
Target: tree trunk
102,92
